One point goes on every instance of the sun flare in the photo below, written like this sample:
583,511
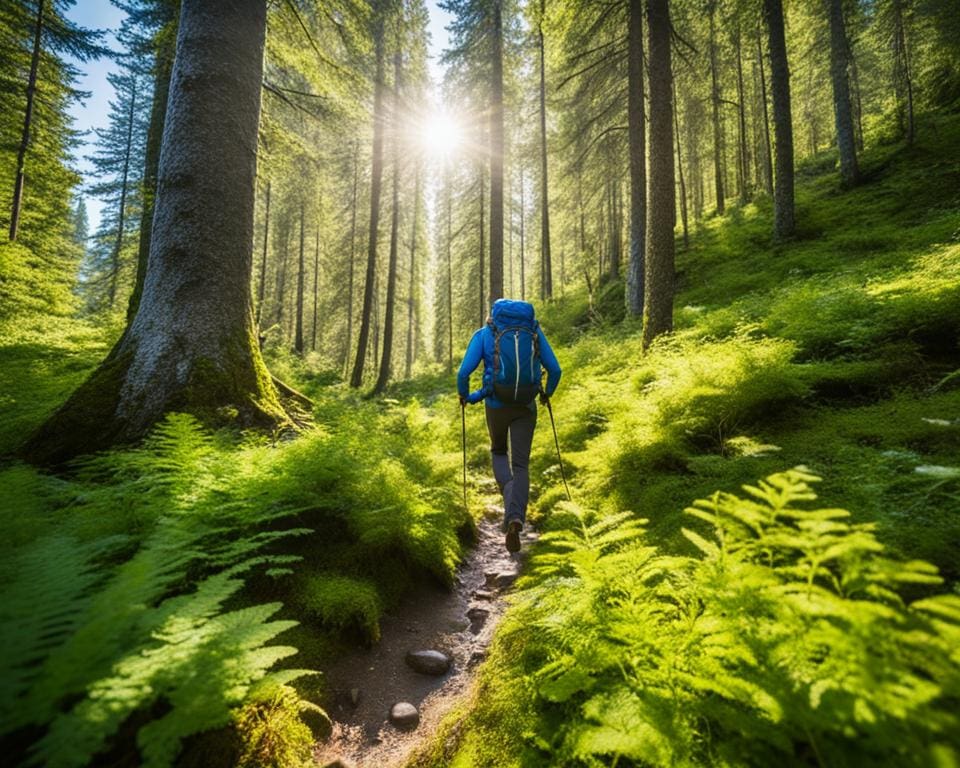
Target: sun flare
440,134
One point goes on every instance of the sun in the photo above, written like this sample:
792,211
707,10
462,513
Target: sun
440,135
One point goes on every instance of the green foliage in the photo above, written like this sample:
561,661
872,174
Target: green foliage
342,604
786,639
272,731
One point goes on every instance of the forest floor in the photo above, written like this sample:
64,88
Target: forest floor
363,685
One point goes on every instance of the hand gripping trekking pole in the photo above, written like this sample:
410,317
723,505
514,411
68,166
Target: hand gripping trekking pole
463,431
556,441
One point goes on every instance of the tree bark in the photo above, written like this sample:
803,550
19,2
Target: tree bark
718,169
121,215
27,121
904,80
376,181
768,155
386,358
523,275
192,345
783,210
449,202
683,186
546,263
743,170
353,251
661,210
298,332
163,67
496,156
638,163
411,294
261,289
842,107
316,284
483,305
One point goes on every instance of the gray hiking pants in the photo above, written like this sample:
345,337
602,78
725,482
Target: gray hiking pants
513,477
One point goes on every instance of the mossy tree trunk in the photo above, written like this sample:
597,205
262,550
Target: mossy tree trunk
783,211
842,105
191,345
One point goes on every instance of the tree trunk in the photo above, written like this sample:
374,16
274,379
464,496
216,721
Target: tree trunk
386,358
449,201
261,289
27,120
121,215
376,181
523,275
783,212
661,210
192,345
413,271
163,67
638,163
298,317
483,306
510,234
496,156
904,80
743,170
857,100
683,186
316,284
353,251
546,263
842,108
718,170
768,155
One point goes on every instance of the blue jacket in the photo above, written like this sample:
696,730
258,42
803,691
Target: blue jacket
480,349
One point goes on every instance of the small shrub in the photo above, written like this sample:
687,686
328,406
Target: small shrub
342,604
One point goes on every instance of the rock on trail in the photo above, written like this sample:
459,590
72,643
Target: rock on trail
385,701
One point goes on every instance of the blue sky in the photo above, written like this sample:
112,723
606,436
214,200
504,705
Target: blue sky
92,112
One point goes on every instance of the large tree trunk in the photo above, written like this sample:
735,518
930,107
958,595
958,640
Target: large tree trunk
523,268
376,182
661,205
783,212
27,122
902,76
482,297
638,163
718,169
546,263
162,69
192,345
386,358
316,286
842,108
122,213
496,156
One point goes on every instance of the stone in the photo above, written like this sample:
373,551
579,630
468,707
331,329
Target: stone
483,594
404,716
478,617
491,579
354,696
428,662
476,657
506,579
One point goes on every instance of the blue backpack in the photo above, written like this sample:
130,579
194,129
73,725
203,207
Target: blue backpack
516,352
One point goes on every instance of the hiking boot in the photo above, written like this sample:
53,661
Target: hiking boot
513,536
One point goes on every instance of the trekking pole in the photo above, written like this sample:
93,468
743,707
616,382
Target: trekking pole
463,431
556,441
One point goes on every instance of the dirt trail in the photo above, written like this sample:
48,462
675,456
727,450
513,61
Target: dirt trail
460,623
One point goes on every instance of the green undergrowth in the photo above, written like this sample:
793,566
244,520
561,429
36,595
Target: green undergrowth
154,594
789,637
774,633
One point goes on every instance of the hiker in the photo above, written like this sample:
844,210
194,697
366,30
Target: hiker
513,348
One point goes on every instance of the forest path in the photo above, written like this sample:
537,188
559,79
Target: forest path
458,622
